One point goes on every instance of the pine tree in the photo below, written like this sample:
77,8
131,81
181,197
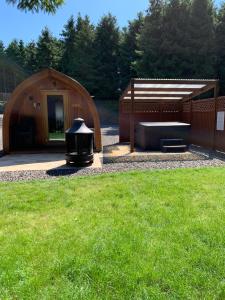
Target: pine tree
106,57
83,64
128,49
21,54
13,52
174,50
220,48
14,71
2,49
2,66
48,51
68,41
49,6
31,60
149,41
202,39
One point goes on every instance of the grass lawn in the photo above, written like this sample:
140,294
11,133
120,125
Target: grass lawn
57,136
139,235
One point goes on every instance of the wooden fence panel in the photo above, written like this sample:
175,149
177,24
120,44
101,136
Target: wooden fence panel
147,112
171,112
202,122
220,134
186,112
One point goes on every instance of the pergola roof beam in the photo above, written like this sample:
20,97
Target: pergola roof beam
165,86
155,98
182,93
174,81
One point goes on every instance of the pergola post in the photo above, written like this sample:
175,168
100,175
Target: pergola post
132,118
216,93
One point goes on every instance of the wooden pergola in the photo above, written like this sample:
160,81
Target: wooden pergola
150,91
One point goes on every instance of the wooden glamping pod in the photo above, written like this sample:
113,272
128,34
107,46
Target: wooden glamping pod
42,107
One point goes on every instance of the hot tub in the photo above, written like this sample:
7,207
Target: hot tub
149,134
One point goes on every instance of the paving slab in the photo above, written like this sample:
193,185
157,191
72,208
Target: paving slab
120,153
40,162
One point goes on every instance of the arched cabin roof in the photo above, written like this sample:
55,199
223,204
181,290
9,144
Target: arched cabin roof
34,79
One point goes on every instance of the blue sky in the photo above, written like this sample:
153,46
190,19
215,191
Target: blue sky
27,26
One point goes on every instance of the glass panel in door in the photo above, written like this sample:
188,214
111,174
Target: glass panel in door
55,118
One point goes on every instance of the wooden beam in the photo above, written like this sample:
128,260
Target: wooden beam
125,92
157,95
200,91
166,89
152,101
174,81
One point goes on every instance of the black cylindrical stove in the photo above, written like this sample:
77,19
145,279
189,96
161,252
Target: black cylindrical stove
79,144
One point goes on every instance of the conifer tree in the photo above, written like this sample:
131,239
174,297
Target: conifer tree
48,51
48,6
83,64
149,41
12,51
31,57
173,53
68,41
21,54
106,57
202,39
128,49
220,48
2,48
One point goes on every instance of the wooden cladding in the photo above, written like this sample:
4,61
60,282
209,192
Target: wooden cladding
202,114
204,105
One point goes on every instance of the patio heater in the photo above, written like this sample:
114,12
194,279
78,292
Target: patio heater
79,144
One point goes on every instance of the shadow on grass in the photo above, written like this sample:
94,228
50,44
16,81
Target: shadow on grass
65,170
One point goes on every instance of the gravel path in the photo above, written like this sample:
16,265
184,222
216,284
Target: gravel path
110,135
110,168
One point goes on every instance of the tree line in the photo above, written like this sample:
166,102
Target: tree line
173,39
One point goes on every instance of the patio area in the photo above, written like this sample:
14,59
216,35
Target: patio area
40,162
120,153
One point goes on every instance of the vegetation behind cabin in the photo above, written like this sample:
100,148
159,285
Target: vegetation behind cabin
174,39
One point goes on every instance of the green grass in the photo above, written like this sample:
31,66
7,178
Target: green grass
56,136
139,235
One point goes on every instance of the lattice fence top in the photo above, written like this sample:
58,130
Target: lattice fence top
151,107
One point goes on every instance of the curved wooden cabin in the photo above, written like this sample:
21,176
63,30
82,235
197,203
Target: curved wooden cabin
42,107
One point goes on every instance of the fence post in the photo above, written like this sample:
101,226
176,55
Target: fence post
132,118
216,92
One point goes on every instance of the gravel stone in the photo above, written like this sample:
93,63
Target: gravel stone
110,168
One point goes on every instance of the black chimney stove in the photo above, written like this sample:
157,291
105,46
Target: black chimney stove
79,144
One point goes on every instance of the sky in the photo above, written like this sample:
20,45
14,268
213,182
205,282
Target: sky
28,26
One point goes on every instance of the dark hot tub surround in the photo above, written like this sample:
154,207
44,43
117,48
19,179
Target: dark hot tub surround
79,144
149,135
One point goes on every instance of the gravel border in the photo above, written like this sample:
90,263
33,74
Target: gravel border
109,168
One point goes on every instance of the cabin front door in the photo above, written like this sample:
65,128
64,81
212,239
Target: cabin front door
56,116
